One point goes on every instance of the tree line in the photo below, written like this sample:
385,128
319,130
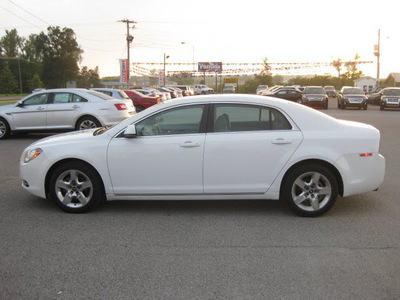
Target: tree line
45,60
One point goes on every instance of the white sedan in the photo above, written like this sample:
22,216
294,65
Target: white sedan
63,109
210,147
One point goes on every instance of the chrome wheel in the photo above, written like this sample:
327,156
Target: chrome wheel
311,191
4,129
87,124
73,189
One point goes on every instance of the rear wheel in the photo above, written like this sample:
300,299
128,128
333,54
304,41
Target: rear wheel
76,187
310,190
87,122
139,108
4,129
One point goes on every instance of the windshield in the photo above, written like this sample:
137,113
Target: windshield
392,92
319,91
353,91
329,88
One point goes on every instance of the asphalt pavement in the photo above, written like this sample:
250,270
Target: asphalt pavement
203,249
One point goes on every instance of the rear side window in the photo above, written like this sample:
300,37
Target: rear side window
234,117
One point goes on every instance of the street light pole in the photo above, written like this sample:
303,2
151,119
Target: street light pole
378,55
194,63
165,58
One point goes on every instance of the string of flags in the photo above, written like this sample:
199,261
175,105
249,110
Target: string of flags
153,69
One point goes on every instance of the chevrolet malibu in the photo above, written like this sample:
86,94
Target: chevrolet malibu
209,147
63,109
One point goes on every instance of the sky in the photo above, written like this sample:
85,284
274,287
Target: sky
248,31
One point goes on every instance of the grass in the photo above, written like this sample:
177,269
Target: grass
10,98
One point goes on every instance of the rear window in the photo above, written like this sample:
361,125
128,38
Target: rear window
99,95
314,91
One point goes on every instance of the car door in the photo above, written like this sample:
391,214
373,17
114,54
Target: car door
246,149
166,157
63,110
31,113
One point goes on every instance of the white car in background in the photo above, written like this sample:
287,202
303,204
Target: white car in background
212,148
63,109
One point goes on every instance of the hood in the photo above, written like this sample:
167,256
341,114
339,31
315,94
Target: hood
66,138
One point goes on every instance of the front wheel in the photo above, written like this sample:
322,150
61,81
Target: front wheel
4,129
310,190
382,107
76,187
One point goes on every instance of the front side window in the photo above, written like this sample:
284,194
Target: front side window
36,100
183,120
232,117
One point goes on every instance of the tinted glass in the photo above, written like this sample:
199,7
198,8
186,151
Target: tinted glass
231,117
36,99
314,91
392,92
353,91
183,120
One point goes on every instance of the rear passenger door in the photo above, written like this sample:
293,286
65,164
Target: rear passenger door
246,147
63,110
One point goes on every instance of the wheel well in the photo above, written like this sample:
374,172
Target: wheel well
59,163
320,162
86,116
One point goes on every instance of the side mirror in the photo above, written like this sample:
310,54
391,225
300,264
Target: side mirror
130,132
20,104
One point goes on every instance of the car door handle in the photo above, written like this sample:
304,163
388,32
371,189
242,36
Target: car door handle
189,144
75,106
281,141
40,108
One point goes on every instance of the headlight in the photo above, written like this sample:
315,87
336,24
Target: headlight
32,154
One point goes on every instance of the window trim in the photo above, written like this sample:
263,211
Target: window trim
210,123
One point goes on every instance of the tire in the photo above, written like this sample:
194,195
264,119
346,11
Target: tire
87,122
310,190
365,107
76,187
382,107
5,130
338,105
343,106
139,108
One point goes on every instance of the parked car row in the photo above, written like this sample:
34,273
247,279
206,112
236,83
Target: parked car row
347,97
314,96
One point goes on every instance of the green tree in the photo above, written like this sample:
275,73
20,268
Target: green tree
60,54
8,83
88,78
352,71
35,82
11,44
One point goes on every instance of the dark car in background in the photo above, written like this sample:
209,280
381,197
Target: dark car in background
374,97
142,101
352,97
288,94
390,98
330,91
315,96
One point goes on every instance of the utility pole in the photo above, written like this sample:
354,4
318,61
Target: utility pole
378,55
129,40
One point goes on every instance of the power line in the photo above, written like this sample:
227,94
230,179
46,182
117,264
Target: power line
29,12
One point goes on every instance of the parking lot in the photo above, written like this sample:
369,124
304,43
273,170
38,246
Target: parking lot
203,249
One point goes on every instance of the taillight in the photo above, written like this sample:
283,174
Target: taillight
365,154
121,106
